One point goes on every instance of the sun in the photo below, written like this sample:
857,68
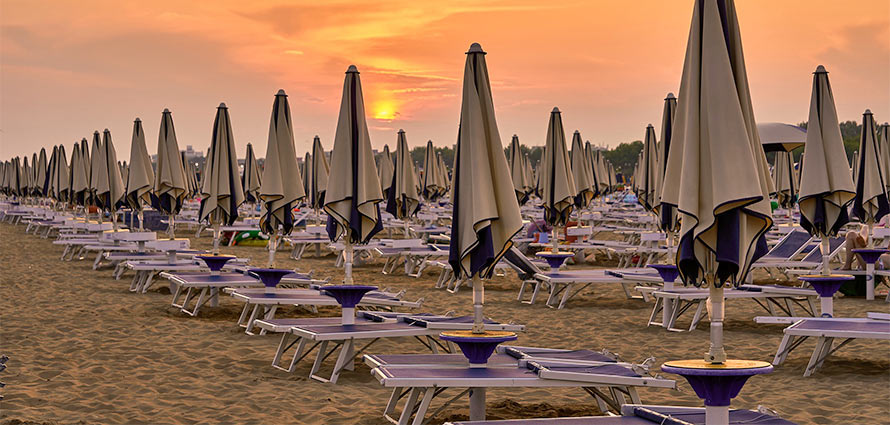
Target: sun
385,111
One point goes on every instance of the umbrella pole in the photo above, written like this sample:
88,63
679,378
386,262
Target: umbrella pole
871,228
716,354
216,237
478,303
114,220
347,259
554,241
141,221
171,229
273,244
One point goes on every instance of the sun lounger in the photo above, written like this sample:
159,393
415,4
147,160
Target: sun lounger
825,330
145,271
769,297
641,414
610,384
562,285
811,262
343,337
207,286
263,303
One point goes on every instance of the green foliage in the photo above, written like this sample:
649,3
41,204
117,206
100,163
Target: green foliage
419,153
624,156
851,132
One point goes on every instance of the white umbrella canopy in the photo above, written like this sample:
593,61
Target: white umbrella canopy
602,173
318,171
110,187
647,193
785,179
883,138
140,177
385,171
433,183
403,201
96,170
854,166
717,175
589,157
353,196
304,170
486,213
282,184
870,203
61,188
443,174
582,174
78,180
667,214
49,186
221,192
40,176
557,185
517,171
250,178
15,178
825,184
776,136
170,183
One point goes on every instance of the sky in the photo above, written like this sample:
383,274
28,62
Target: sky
68,68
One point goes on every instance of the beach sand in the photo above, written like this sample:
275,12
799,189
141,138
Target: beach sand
84,350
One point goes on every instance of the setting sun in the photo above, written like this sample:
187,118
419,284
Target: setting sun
385,111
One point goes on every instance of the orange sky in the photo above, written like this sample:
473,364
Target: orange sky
69,67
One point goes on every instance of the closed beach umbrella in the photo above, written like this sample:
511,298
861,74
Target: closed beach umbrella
170,185
140,177
646,188
557,185
49,186
87,165
110,188
15,183
97,170
433,184
79,180
784,179
717,175
602,176
870,203
517,171
883,138
486,213
353,195
304,170
221,191
582,174
61,188
591,164
282,184
403,201
443,173
385,171
667,214
854,166
250,179
40,170
825,184
319,169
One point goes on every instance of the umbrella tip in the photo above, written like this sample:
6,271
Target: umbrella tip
352,68
401,131
868,112
475,48
650,125
222,105
137,120
95,131
577,132
821,70
555,110
670,96
166,111
281,93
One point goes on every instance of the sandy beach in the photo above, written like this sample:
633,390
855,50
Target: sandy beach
84,350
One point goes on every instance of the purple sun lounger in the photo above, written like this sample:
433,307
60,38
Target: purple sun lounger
639,414
610,384
424,328
825,330
262,302
207,286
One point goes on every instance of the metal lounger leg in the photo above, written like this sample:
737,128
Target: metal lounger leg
428,394
698,316
823,345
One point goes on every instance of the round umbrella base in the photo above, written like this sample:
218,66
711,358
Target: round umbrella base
270,277
719,383
870,255
555,259
215,262
826,286
348,296
477,347
668,272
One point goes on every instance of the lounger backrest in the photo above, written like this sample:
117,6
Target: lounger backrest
815,256
519,262
790,245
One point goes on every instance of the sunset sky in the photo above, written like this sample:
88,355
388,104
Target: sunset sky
70,67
